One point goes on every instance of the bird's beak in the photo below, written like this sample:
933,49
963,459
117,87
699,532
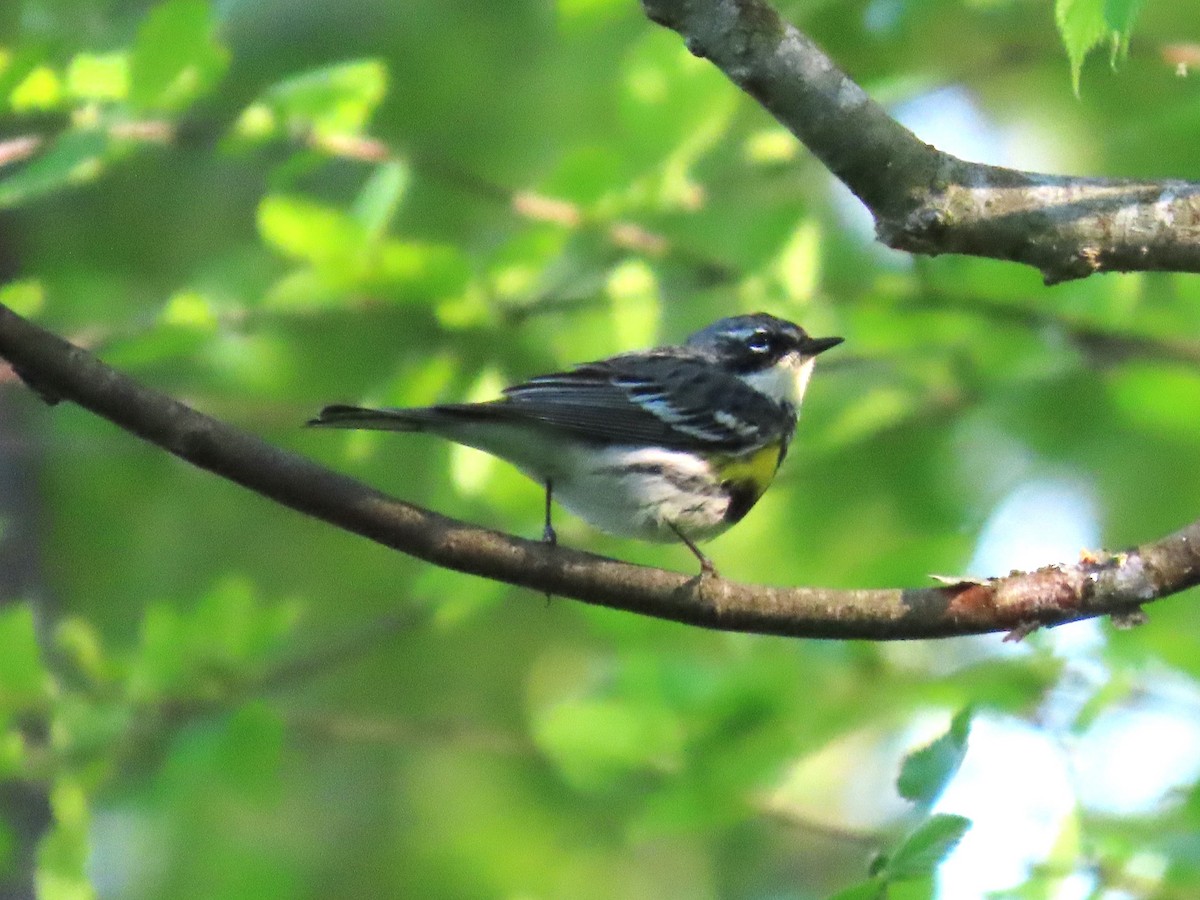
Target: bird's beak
813,346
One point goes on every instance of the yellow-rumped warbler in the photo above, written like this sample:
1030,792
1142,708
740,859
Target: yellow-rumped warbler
674,443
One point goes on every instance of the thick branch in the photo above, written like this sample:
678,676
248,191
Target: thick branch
1103,584
927,201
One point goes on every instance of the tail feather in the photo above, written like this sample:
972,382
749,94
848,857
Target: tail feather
416,419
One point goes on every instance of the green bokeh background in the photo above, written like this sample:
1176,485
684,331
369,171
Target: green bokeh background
476,741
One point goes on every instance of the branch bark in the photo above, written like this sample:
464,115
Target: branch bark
1100,584
924,200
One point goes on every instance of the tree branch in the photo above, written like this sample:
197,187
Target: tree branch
924,200
1100,584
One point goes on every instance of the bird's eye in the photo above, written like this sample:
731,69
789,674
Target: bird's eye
759,341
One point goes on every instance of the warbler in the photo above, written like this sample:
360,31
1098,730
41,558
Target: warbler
676,443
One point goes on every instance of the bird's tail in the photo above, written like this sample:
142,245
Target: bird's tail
415,419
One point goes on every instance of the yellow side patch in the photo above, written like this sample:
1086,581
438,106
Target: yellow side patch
757,468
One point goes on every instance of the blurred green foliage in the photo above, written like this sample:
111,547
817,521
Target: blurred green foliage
263,206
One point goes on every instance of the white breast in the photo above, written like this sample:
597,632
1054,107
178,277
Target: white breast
635,492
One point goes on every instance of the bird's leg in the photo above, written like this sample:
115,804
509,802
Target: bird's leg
706,565
548,534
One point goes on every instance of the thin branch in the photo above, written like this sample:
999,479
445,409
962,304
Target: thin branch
527,205
799,820
1099,584
924,200
153,725
395,731
1102,346
344,649
18,149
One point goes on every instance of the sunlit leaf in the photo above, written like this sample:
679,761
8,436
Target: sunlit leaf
594,742
1085,24
41,89
1149,397
15,64
633,290
25,298
423,270
308,230
1082,26
77,639
927,771
161,664
23,678
335,100
62,853
923,850
177,57
103,77
381,197
234,629
190,309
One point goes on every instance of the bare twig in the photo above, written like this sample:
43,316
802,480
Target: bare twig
924,200
528,205
395,731
1100,584
1101,345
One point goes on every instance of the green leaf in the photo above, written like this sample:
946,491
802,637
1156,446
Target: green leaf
380,198
235,631
1082,25
309,231
334,100
99,77
23,678
927,771
238,754
176,57
924,849
872,889
15,65
40,89
249,750
342,256
1120,14
423,269
14,756
88,728
1150,394
598,741
25,298
160,665
62,854
79,642
75,157
225,639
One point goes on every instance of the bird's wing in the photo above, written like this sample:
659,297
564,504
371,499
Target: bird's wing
664,400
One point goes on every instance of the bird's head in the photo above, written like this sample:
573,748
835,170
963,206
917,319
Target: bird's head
772,355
